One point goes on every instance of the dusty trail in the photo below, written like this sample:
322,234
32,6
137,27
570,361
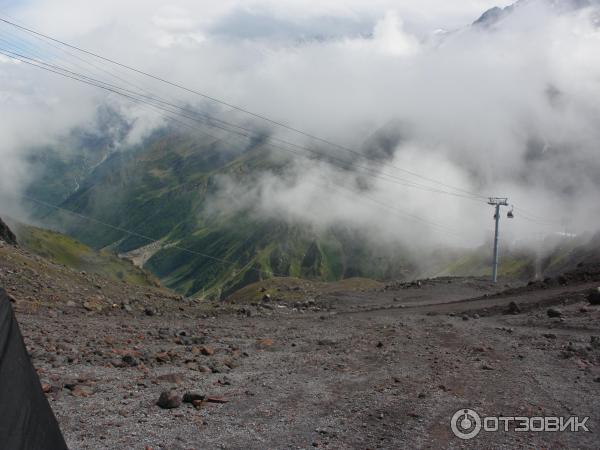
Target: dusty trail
347,369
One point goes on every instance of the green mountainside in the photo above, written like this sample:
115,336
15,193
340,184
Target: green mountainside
554,256
159,190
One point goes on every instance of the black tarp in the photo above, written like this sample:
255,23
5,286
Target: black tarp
26,420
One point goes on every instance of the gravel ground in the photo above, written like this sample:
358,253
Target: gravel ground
380,367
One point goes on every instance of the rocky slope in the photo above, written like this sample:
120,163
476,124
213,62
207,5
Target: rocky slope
494,15
300,364
64,250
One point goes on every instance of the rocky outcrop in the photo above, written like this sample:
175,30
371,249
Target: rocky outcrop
492,16
6,234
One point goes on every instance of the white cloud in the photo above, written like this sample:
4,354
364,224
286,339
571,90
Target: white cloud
475,101
390,37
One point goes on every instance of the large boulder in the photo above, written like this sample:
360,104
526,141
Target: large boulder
6,234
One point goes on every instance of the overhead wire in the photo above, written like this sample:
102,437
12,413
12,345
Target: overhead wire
152,100
45,38
527,215
208,120
232,106
89,81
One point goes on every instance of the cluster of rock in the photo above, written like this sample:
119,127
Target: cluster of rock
6,234
593,297
402,285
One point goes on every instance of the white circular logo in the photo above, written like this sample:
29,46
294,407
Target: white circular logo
466,424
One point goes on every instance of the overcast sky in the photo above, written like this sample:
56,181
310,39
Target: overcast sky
73,19
511,110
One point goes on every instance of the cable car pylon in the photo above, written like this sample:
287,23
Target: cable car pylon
497,202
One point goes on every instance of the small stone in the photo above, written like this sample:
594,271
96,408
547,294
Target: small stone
175,378
264,343
82,391
191,397
207,350
549,335
184,340
266,298
169,400
164,333
219,368
92,306
513,308
150,311
594,297
129,360
225,381
162,357
553,313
